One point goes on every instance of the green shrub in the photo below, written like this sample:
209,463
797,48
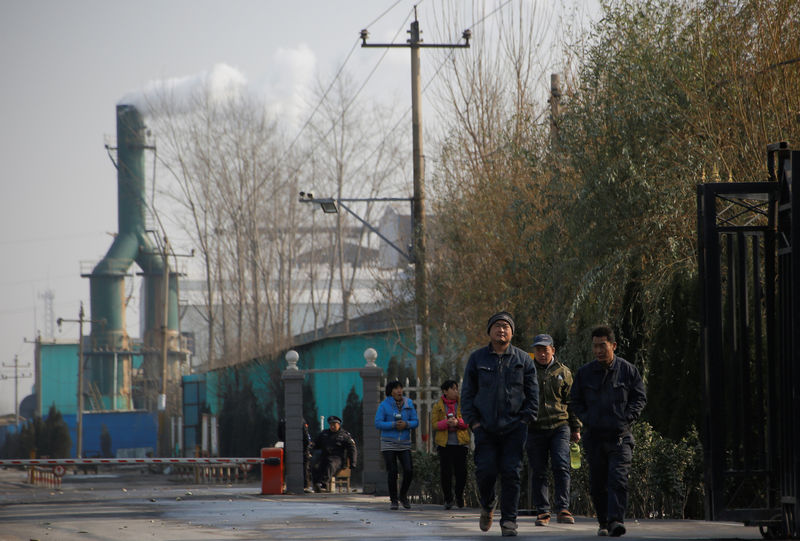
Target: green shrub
666,479
40,438
427,487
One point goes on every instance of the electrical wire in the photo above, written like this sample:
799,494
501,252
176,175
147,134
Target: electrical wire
333,83
433,77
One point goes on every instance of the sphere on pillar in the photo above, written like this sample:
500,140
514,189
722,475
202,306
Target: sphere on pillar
291,359
370,355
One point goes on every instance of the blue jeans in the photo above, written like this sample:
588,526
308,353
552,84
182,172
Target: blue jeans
555,444
609,464
500,454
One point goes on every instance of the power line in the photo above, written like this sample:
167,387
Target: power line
404,116
332,84
336,78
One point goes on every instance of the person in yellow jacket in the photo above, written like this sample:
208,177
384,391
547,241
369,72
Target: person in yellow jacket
452,443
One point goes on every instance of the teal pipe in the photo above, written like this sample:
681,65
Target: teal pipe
131,245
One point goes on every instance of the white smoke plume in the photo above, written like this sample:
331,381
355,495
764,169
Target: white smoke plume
222,82
283,92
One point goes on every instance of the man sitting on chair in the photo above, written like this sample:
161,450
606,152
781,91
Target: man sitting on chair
335,448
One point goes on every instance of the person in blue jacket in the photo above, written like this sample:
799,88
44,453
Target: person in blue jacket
396,418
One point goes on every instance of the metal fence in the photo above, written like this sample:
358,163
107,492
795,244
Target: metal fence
750,280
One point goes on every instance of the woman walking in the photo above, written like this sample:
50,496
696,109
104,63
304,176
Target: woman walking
395,418
452,443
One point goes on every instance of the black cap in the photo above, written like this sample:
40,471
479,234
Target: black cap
334,419
542,340
500,316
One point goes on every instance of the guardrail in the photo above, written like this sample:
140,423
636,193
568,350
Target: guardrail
117,461
49,471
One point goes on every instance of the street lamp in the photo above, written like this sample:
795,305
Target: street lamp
79,413
330,205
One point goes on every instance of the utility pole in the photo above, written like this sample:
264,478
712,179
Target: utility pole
422,331
79,413
162,397
555,110
17,377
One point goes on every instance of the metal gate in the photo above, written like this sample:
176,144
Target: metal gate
750,315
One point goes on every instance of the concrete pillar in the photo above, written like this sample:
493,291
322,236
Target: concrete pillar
293,407
374,472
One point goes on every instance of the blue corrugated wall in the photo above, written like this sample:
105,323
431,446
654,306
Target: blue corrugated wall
128,429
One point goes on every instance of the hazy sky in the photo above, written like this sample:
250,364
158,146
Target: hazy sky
65,66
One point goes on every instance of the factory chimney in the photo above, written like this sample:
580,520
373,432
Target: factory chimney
109,361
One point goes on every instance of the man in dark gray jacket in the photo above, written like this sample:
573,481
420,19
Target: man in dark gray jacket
607,396
499,397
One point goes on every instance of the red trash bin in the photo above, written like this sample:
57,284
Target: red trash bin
272,470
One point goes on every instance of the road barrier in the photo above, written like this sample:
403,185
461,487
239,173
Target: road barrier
120,461
49,471
213,473
45,477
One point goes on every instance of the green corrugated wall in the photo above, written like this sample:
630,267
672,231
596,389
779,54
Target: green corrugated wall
330,389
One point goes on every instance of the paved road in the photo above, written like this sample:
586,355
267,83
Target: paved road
136,506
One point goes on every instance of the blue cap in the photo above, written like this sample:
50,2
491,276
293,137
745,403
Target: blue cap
334,419
542,340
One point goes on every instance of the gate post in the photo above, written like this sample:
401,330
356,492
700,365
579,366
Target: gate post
373,479
293,411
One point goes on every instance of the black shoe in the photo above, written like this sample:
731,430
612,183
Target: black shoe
394,506
404,503
460,502
448,505
486,519
508,529
602,530
616,529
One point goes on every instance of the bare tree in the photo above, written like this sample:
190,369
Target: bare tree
226,159
237,186
356,154
492,109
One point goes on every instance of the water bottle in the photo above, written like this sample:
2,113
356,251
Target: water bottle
574,455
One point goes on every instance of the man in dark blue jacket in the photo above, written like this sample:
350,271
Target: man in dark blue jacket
499,397
608,395
336,449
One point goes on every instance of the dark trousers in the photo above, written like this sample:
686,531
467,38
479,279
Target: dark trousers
307,470
326,468
391,458
453,462
555,445
609,464
500,454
